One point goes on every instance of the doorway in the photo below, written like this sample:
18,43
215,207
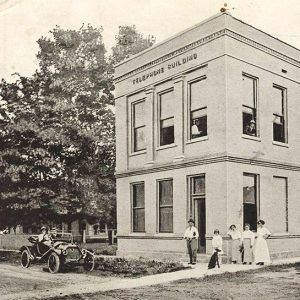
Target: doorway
200,222
250,199
197,209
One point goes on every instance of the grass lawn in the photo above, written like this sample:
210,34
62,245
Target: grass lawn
273,282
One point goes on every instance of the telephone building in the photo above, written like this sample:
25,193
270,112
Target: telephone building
208,127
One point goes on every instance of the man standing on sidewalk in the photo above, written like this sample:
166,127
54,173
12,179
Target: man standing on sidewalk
191,235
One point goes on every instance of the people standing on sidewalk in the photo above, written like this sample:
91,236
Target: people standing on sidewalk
236,238
191,235
248,242
261,250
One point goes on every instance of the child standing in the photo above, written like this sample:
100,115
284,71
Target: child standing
248,241
217,243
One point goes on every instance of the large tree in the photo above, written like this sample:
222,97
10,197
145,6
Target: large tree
57,147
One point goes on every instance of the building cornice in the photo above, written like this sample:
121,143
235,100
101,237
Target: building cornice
171,55
203,41
210,160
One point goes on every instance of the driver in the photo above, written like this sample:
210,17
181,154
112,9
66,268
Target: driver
5,231
44,237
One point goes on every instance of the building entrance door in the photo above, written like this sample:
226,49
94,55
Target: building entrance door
250,215
200,222
250,195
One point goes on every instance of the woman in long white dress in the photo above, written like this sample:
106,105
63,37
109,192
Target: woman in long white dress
235,244
261,250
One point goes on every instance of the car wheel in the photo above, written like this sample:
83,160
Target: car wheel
53,263
25,258
89,263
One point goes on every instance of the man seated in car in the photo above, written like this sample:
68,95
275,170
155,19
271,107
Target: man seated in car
44,237
5,231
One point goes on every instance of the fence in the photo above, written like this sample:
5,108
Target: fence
110,236
16,241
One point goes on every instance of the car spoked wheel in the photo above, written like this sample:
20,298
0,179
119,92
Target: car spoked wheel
25,258
89,262
53,263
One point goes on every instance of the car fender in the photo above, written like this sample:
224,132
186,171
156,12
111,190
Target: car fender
28,248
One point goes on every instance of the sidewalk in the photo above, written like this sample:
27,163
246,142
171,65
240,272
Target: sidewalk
92,284
197,271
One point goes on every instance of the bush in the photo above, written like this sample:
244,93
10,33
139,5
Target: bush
136,267
10,256
106,250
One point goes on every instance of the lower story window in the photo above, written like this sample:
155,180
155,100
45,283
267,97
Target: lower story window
165,198
138,207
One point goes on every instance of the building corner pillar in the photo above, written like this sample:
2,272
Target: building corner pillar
179,117
149,120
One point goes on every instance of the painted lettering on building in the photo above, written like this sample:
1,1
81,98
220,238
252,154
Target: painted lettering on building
161,70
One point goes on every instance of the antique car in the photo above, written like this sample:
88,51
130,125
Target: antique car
59,255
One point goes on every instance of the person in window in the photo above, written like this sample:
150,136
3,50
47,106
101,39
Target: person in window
261,250
191,235
250,128
195,129
236,237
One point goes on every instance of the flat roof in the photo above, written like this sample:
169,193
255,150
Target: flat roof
195,26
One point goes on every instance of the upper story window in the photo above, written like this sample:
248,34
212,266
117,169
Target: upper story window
198,111
166,118
249,94
165,205
138,207
279,114
138,126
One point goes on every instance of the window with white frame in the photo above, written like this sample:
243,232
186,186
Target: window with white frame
165,205
249,98
198,110
166,118
138,126
279,114
138,207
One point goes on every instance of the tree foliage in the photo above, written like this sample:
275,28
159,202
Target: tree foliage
57,141
129,42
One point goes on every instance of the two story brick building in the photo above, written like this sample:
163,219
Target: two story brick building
208,126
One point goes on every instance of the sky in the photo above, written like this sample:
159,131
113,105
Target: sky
22,22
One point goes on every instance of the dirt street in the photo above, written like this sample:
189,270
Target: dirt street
17,283
270,282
